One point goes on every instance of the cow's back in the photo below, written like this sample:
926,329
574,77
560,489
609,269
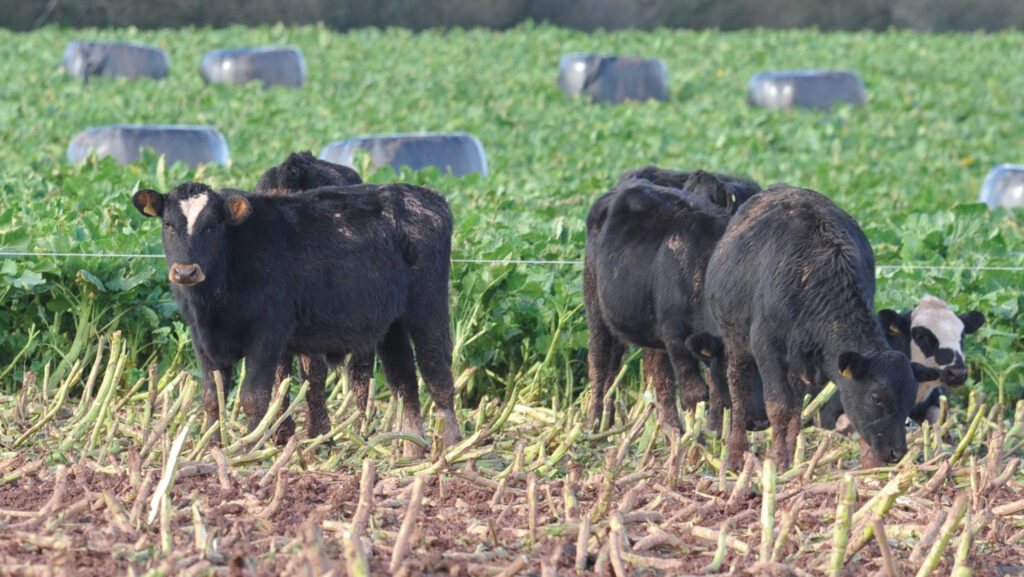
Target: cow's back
647,247
787,259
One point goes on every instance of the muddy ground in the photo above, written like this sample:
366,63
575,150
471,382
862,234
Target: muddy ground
91,520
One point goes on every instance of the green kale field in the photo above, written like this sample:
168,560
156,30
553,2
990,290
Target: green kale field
104,467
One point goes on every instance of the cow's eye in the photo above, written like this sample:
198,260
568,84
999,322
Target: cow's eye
209,228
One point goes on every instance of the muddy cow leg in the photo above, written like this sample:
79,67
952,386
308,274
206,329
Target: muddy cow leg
359,370
779,401
261,363
314,369
659,374
433,343
740,370
210,402
398,364
604,353
604,356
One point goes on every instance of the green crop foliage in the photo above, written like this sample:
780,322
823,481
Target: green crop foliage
941,111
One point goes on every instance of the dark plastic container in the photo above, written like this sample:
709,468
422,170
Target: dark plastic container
271,65
1003,186
456,153
819,89
87,59
193,145
615,79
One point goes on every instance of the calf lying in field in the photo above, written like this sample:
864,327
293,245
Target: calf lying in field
646,250
791,288
302,171
330,271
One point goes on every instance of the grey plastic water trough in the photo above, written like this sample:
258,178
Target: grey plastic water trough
193,145
1003,186
87,59
819,89
271,65
456,153
615,79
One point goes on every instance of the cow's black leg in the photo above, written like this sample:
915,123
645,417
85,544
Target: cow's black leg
359,370
599,344
718,393
692,389
433,341
740,371
778,397
399,367
658,372
261,363
210,404
605,358
314,369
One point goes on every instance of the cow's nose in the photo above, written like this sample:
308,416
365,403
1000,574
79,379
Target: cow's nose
895,455
955,375
186,274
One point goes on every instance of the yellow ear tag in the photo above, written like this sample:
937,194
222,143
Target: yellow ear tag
705,352
894,330
149,210
847,373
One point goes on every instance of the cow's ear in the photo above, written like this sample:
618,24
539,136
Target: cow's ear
925,339
972,321
893,322
853,365
924,374
704,346
148,202
236,209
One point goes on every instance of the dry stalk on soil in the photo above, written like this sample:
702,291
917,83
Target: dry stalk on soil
108,478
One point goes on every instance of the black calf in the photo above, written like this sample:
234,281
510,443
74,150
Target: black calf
331,271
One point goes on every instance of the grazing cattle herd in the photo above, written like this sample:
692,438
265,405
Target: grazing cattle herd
771,291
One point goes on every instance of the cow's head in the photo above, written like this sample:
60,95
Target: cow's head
878,392
937,335
195,221
302,171
709,186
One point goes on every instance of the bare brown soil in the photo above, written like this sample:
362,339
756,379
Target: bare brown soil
469,524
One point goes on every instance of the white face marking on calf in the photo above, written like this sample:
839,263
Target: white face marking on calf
934,314
192,207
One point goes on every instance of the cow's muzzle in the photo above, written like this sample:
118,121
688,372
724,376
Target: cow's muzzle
954,376
186,274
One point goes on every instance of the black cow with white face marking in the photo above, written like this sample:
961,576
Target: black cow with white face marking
791,288
302,171
330,271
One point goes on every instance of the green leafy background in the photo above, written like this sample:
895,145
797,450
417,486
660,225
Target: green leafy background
942,110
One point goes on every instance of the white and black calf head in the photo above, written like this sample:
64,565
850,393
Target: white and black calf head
932,335
195,220
937,335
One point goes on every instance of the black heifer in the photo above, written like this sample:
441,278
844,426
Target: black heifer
646,250
725,190
302,171
331,271
932,335
791,287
